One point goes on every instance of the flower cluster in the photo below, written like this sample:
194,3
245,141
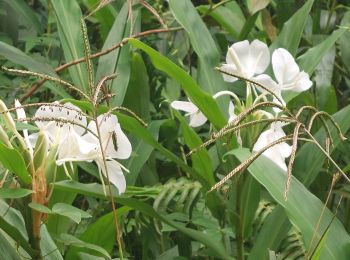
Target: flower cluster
250,61
66,127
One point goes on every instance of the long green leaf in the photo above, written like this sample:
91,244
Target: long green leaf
6,193
13,161
117,61
292,30
229,16
204,101
18,57
13,224
310,59
302,207
202,43
68,15
23,10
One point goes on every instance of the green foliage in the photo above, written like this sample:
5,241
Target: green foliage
162,51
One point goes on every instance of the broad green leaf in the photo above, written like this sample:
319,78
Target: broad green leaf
48,247
117,61
13,161
312,57
204,101
8,193
138,103
302,207
18,57
229,16
58,224
13,224
73,241
96,190
318,250
69,211
68,15
23,10
40,208
202,43
99,233
292,30
250,198
8,250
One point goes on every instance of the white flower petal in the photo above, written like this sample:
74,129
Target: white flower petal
124,148
267,82
197,119
184,106
21,114
284,66
278,152
302,82
229,68
74,148
115,174
231,112
110,129
260,55
238,55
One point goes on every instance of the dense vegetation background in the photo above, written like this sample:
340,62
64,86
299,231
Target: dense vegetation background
162,51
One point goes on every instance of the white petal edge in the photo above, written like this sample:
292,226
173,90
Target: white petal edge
184,106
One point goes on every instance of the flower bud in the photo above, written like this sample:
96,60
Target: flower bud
4,138
51,166
7,116
40,150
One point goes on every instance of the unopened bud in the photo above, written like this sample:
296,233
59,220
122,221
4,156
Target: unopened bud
7,116
51,166
4,138
40,150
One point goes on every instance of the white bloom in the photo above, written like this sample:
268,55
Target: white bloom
287,73
246,59
87,148
66,126
64,121
197,118
278,152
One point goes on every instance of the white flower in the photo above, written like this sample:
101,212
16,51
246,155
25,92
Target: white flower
197,118
67,127
246,59
87,148
287,73
64,119
279,152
